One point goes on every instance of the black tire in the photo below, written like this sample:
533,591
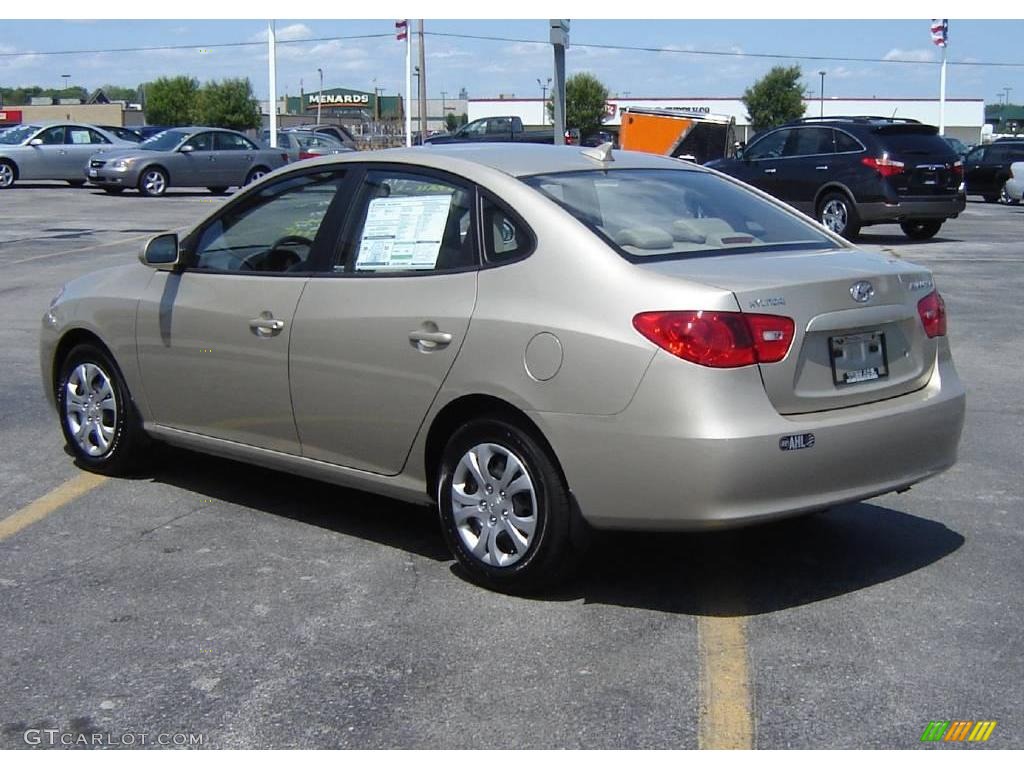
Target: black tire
255,175
1005,198
126,443
113,190
550,553
76,182
218,190
921,229
839,214
153,181
8,174
991,198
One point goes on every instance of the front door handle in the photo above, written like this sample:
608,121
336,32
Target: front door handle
821,167
429,338
769,170
265,325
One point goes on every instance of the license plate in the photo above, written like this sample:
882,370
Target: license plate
858,357
93,172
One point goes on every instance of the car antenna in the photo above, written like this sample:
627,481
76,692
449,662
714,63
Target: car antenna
601,153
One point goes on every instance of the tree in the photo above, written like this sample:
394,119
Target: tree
585,98
171,100
775,99
451,122
228,104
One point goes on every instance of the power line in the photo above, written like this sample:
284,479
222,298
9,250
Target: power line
144,49
495,38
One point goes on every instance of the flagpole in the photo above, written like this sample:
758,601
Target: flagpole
408,88
942,94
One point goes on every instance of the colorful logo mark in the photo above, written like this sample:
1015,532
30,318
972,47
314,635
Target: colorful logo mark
958,730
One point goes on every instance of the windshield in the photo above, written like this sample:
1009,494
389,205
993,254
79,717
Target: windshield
164,141
17,134
664,214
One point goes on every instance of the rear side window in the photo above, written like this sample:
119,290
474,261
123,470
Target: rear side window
809,141
846,143
506,238
658,214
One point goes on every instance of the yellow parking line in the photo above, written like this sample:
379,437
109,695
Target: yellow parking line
726,711
77,250
54,500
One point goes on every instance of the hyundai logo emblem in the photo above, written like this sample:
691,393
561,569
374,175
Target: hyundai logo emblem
862,291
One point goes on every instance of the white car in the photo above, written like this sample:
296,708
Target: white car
1013,190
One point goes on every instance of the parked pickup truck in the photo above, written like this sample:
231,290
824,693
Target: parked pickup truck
507,128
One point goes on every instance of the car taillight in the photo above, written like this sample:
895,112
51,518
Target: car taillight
958,168
883,165
304,155
932,310
718,339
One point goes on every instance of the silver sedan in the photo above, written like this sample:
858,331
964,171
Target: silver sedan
52,151
535,339
195,156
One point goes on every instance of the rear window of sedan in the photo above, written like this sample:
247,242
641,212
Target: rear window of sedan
659,214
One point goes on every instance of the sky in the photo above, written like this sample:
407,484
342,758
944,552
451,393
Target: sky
487,68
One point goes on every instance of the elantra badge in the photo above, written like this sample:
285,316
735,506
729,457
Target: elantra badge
862,291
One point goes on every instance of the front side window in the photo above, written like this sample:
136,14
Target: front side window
412,223
53,135
272,230
201,142
974,156
654,214
768,148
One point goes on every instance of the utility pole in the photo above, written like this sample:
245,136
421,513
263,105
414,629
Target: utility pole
423,86
559,41
272,77
320,95
821,101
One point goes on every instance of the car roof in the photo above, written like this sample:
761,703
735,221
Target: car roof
517,159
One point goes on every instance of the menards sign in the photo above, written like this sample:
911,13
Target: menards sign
340,99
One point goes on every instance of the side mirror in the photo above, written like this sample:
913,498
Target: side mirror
187,148
160,252
36,143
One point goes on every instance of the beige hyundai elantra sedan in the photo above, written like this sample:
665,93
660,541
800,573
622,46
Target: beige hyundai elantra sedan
539,340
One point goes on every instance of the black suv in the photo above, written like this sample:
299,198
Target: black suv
851,172
988,168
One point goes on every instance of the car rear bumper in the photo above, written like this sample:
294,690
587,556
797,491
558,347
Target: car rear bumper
944,207
673,460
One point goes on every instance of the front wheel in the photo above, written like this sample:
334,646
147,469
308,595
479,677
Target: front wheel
113,190
153,182
76,182
97,415
838,213
1005,199
917,229
505,509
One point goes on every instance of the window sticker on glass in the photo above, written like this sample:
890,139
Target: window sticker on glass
403,232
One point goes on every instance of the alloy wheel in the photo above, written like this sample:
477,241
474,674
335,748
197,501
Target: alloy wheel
834,215
494,504
6,175
154,183
90,409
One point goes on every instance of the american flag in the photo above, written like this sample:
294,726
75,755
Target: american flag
402,29
940,32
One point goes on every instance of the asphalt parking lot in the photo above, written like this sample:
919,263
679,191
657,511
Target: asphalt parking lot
260,610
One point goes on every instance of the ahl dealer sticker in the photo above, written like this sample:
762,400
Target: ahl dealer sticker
796,442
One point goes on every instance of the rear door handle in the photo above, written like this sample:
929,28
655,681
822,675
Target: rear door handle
429,340
265,325
769,170
821,167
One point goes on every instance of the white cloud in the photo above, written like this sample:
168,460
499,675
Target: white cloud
913,54
290,32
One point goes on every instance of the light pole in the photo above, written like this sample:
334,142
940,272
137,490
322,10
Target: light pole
821,101
543,100
1007,89
320,96
66,78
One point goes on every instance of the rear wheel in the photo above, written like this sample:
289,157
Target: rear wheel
153,182
837,212
504,506
8,174
113,190
97,415
1005,199
921,229
76,182
218,190
255,175
991,198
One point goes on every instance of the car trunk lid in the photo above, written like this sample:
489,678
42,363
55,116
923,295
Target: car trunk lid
858,337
